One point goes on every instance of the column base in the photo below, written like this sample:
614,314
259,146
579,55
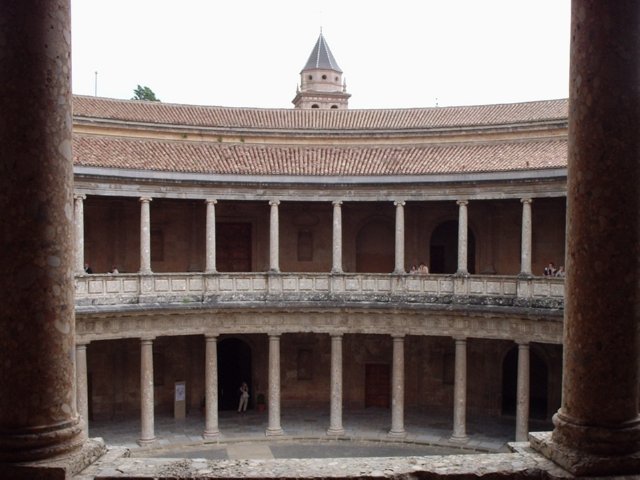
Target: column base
211,434
397,433
274,432
462,273
459,438
32,444
63,466
581,463
335,432
145,442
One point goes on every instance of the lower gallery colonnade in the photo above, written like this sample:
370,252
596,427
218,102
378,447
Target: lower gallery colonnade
335,401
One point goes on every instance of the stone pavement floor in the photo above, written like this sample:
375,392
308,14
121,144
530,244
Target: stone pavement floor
242,436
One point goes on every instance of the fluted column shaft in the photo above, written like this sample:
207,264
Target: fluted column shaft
79,231
145,235
462,237
525,249
522,394
399,268
82,393
337,237
274,427
335,419
37,418
211,236
460,391
599,412
147,433
397,388
211,387
274,237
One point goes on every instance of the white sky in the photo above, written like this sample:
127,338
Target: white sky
394,53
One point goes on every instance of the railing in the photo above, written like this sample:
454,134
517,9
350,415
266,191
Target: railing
542,292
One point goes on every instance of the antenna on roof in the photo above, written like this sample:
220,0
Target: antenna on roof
437,102
95,84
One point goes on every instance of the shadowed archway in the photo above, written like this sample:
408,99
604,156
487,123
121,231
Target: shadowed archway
234,367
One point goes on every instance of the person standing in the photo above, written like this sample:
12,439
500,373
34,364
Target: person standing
244,397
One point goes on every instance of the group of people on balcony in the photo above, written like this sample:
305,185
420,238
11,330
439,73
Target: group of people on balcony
551,270
420,269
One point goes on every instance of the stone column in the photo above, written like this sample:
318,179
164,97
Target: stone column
522,394
145,235
211,236
211,387
399,268
37,345
597,429
397,388
462,237
79,233
274,427
335,420
337,237
525,249
82,393
274,237
147,435
460,392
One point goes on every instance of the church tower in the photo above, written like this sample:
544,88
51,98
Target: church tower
321,84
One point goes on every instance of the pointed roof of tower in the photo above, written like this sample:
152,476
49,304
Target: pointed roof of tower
321,57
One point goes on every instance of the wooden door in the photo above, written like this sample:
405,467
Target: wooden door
233,247
377,385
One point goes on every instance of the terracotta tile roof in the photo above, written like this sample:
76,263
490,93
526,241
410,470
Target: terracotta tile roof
252,159
326,120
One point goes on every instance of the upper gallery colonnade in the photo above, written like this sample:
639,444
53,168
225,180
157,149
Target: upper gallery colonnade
400,260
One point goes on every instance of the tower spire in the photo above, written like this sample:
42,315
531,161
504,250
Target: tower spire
321,83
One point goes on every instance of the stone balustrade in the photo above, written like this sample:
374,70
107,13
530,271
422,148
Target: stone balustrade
537,292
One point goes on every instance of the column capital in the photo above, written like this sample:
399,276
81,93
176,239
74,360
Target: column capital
462,202
526,200
399,203
337,203
398,336
459,339
274,202
274,335
82,343
145,199
79,196
522,343
211,201
337,335
147,340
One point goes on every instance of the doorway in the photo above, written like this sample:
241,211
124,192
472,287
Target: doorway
443,249
234,367
233,247
375,247
377,385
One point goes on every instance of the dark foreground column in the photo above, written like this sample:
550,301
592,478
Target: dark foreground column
597,429
38,419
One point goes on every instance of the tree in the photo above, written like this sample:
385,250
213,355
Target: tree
144,93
